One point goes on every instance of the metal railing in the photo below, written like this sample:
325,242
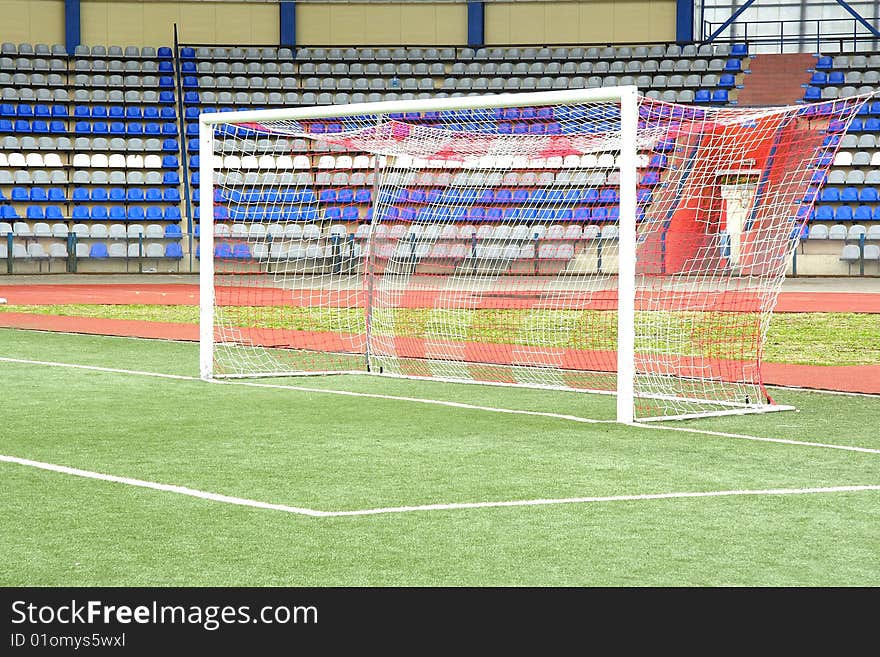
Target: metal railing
812,34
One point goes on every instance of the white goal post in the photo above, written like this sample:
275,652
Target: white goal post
571,239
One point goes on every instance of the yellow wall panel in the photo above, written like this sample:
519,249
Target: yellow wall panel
313,24
588,21
143,22
195,23
366,24
34,21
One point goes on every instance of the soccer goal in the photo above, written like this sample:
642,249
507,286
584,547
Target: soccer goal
588,239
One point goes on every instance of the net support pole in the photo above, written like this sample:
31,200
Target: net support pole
626,285
370,262
206,250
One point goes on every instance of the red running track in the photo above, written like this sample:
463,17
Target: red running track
857,378
188,295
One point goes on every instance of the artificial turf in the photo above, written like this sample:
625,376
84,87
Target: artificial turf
329,452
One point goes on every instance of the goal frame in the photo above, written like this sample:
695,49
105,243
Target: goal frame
626,96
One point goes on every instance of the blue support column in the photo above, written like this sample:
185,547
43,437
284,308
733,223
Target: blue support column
71,25
476,24
288,23
684,20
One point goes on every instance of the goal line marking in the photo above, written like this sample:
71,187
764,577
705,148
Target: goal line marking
302,511
439,402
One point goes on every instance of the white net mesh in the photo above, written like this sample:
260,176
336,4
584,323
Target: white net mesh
481,245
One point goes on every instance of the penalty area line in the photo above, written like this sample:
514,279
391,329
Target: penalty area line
450,404
314,513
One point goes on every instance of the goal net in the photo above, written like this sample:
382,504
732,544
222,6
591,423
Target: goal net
584,240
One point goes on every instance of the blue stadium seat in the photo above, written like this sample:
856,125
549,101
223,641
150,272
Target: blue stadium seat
868,195
733,65
223,251
241,252
116,195
702,96
53,212
81,112
172,231
57,195
153,194
829,195
849,195
117,128
608,196
98,250
25,110
80,213
824,63
824,213
136,213
22,126
100,128
170,145
350,213
170,162
100,213
134,129
327,196
34,212
173,250
59,111
57,127
116,112
166,97
19,194
836,78
7,109
99,194
363,195
862,213
844,213
42,111
819,78
166,53
99,111
133,112
135,194
173,214
871,125
8,212
166,82
719,96
39,194
166,67
170,178
185,53
153,213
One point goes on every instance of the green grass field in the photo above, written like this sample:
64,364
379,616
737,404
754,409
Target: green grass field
329,452
802,338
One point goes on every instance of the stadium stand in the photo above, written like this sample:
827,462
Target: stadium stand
98,138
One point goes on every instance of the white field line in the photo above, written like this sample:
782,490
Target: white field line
240,501
439,402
